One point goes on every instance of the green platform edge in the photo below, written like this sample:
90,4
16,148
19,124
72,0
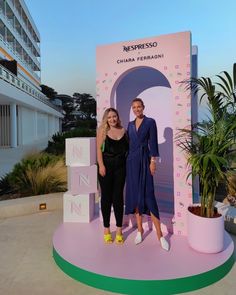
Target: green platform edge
140,287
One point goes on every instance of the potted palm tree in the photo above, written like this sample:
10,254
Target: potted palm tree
208,146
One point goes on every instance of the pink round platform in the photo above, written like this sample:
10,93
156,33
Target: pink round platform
79,251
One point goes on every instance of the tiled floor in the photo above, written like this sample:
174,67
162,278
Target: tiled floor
27,266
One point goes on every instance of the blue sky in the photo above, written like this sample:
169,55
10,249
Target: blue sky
71,29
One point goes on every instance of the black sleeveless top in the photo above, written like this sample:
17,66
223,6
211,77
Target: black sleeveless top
116,148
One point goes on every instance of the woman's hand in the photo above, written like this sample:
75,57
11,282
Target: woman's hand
102,170
152,167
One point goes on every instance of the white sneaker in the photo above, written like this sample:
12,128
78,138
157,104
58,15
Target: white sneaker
138,238
164,244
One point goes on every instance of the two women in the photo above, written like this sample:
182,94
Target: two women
141,166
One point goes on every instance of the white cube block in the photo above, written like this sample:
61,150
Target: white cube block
79,208
82,179
80,151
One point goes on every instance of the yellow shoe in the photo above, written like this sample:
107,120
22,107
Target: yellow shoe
107,238
119,239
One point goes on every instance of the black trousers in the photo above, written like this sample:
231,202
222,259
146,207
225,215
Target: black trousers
112,186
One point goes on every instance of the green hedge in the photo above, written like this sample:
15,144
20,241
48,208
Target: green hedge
57,145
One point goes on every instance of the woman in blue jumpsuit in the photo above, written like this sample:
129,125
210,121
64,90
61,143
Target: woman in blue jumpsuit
140,168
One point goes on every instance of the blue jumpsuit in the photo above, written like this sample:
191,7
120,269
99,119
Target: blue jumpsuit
139,181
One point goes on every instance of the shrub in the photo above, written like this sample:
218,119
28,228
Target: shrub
36,174
43,180
57,145
5,186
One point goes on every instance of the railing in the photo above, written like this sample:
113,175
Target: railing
20,40
19,18
23,86
17,56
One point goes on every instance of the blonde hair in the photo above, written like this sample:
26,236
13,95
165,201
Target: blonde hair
104,124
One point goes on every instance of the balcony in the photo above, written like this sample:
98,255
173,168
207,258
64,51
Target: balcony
10,48
23,86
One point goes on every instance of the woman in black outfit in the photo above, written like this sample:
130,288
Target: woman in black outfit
112,146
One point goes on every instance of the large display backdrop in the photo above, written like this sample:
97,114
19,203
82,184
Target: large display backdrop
152,69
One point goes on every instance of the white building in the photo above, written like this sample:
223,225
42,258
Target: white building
27,118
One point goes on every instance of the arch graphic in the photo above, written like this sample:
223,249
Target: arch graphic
126,70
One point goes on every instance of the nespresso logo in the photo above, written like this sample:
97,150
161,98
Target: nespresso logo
139,46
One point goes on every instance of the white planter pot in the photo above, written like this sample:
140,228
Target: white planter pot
205,235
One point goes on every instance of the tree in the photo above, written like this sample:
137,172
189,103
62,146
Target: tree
48,91
85,106
68,108
79,111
